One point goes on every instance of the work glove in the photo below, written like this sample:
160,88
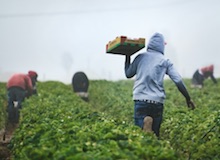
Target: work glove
190,104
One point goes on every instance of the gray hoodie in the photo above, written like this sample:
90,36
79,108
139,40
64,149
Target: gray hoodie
150,68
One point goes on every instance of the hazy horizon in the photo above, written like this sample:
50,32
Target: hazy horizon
58,38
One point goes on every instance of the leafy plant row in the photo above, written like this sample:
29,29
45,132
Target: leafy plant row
57,124
194,134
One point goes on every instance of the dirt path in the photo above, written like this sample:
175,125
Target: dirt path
5,136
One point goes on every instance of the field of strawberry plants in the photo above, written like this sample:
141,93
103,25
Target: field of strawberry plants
58,125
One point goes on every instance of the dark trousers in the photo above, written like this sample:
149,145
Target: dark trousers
143,109
197,78
16,94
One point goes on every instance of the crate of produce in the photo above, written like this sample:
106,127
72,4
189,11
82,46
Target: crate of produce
125,46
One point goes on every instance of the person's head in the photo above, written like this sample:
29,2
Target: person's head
33,75
211,67
157,43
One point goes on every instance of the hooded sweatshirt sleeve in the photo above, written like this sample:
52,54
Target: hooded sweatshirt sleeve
177,79
131,68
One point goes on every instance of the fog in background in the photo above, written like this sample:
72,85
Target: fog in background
57,38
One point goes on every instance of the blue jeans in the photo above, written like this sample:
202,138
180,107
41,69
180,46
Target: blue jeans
143,109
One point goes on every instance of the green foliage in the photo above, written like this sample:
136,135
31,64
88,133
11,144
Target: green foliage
59,125
193,133
3,104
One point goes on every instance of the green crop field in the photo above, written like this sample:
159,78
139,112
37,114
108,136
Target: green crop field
58,125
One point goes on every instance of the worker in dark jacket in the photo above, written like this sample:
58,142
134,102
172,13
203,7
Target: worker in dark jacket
150,68
80,84
201,74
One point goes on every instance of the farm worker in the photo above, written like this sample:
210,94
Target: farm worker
201,74
33,75
150,68
80,84
19,86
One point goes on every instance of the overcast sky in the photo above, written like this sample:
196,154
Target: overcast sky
57,38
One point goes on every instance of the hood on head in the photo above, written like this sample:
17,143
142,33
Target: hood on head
157,43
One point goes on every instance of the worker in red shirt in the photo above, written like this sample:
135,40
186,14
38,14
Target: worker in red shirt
201,74
20,86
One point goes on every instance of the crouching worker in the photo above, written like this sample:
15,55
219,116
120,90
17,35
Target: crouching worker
19,86
201,74
80,84
150,68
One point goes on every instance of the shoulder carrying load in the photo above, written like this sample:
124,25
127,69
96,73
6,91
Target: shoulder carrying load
125,46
